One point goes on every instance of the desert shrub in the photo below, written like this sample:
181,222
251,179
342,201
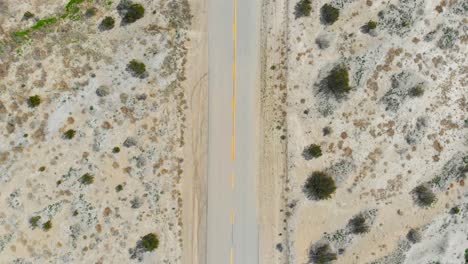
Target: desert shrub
149,242
337,81
416,91
302,8
319,186
34,221
107,23
133,12
47,225
28,15
119,188
371,25
116,150
327,131
312,151
90,12
42,168
455,210
423,196
69,134
329,14
322,254
86,179
414,235
358,225
34,101
136,68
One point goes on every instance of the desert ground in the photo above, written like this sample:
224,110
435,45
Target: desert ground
394,142
97,134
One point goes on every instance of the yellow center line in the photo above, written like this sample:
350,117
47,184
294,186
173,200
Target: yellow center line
232,216
234,83
232,256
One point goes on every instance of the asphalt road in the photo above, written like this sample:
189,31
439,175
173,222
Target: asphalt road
232,226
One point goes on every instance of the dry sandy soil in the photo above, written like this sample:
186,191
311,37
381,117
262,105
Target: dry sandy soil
379,141
99,163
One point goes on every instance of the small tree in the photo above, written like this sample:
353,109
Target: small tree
423,196
319,186
329,14
322,254
303,8
312,151
358,225
338,81
34,101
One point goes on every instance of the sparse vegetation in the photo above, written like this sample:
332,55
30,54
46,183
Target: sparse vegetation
47,225
34,101
107,23
322,254
312,151
150,242
34,221
136,68
424,196
329,14
86,179
69,134
358,225
303,8
319,186
337,81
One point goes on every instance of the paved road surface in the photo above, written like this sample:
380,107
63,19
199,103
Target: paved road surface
233,73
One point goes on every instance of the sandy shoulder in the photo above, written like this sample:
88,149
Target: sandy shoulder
195,149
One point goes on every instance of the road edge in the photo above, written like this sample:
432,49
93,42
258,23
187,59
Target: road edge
196,144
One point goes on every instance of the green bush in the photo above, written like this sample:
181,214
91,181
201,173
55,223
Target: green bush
312,151
133,13
322,254
136,68
69,134
42,168
86,179
116,150
150,242
358,225
303,8
34,101
107,23
33,221
319,186
455,210
423,196
47,225
338,81
329,14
